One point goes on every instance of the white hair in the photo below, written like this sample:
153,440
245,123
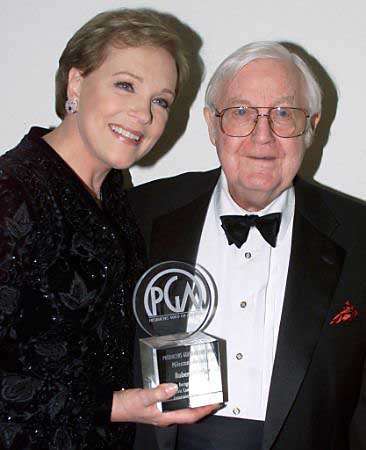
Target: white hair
261,50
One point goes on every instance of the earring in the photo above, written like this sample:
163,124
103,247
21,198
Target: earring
71,105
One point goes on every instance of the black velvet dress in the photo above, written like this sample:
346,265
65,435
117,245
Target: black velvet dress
67,271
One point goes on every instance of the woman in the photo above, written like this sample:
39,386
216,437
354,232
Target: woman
70,252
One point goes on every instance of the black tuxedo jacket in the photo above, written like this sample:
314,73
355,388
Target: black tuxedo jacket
317,398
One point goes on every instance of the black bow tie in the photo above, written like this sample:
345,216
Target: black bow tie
237,227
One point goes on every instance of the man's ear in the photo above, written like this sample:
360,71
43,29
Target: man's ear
75,79
314,120
211,124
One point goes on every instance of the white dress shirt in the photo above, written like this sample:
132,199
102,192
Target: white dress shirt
251,286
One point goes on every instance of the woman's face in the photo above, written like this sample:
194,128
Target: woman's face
123,105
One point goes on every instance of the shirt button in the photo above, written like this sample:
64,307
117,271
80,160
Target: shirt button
236,411
239,356
247,255
243,304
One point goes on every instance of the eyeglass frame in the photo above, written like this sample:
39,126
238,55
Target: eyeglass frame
221,113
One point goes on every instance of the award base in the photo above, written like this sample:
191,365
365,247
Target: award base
193,362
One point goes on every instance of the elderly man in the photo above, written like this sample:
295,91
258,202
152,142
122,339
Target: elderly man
288,259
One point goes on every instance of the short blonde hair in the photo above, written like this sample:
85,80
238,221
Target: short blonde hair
87,49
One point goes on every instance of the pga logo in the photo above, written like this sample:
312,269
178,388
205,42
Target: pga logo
158,291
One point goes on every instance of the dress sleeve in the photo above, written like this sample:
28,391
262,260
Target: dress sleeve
18,386
40,406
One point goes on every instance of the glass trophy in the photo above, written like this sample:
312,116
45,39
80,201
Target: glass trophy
173,302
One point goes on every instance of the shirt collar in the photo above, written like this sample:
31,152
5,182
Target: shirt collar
225,205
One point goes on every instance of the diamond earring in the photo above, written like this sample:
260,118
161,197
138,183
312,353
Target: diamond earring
71,105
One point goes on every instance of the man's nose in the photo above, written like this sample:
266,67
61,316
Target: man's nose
262,132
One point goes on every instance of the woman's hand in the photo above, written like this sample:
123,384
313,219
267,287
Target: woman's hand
139,405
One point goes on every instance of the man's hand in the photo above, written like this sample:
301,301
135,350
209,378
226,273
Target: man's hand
139,405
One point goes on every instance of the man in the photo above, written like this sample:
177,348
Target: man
291,286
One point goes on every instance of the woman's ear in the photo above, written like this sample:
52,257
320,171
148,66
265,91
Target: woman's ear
75,79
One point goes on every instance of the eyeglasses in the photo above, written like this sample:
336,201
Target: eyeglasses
284,121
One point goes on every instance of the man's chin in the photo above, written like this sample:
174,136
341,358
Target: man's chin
256,197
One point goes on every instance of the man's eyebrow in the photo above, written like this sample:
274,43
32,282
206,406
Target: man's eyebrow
237,101
285,99
242,101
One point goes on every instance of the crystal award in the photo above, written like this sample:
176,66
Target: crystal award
173,302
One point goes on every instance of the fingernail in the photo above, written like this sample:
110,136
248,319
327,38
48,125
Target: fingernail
171,388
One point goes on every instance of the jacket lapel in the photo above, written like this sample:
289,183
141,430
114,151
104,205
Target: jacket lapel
315,265
176,235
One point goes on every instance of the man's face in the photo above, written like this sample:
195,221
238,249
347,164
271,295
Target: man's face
260,166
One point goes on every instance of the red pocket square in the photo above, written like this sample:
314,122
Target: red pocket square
348,313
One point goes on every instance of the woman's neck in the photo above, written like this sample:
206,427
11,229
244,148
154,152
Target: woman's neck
67,142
